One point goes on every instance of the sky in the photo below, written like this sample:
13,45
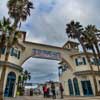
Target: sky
47,25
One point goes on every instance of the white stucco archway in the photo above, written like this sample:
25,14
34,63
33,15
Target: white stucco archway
29,46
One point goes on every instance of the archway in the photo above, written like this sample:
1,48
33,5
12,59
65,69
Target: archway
10,84
45,52
42,70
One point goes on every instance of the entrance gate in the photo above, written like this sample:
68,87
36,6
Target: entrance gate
26,49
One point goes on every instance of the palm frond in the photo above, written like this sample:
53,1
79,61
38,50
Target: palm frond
74,29
19,9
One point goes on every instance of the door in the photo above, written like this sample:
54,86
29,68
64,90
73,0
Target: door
7,87
10,85
87,89
11,89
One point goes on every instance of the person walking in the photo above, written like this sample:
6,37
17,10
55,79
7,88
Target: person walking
31,92
45,90
57,90
48,92
61,90
53,90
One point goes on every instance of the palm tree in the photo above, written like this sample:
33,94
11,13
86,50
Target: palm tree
89,46
25,75
19,87
18,10
75,30
93,30
90,39
5,28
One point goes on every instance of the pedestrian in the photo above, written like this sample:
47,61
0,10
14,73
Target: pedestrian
61,90
45,90
53,90
31,92
57,90
48,92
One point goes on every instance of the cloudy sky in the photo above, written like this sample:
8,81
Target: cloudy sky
47,25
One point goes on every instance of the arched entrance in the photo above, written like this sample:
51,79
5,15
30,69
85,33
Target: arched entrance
10,84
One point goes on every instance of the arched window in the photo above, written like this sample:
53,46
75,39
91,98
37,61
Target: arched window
70,87
12,75
76,86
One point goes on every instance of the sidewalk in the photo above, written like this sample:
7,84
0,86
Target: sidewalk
41,98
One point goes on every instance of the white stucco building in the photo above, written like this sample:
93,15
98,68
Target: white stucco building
79,81
75,71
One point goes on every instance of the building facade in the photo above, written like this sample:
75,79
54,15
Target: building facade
74,70
12,71
79,81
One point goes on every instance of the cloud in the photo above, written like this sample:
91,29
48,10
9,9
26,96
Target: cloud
3,8
46,6
47,25
42,69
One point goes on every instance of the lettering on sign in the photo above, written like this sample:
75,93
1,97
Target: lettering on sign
46,54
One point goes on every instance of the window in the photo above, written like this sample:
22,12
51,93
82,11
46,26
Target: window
80,61
92,61
84,60
18,55
3,49
70,85
98,61
76,61
64,68
15,52
76,86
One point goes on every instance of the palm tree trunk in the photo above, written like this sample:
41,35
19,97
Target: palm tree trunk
0,48
15,23
2,43
98,51
96,59
88,59
3,73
